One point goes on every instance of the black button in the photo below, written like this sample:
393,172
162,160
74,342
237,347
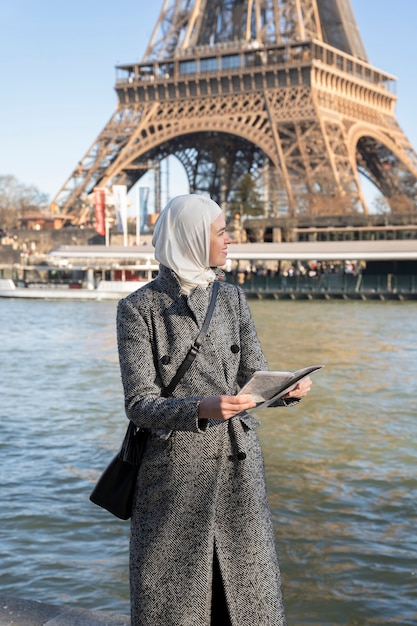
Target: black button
165,360
241,456
235,349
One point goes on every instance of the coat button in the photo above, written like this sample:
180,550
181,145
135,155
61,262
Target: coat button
165,360
235,349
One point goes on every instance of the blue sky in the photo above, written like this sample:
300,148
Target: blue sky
58,73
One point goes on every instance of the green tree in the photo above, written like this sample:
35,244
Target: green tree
17,200
246,198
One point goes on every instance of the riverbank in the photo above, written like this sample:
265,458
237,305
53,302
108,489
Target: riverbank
18,612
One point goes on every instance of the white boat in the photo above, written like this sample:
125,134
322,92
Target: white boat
46,282
110,272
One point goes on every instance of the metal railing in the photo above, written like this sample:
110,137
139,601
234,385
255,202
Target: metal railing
399,286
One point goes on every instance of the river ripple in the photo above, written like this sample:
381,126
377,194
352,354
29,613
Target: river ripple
340,466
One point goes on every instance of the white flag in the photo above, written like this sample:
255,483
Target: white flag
120,205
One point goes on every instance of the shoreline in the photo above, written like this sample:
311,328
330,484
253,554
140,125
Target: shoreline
20,612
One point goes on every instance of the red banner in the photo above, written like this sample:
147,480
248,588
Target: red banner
100,210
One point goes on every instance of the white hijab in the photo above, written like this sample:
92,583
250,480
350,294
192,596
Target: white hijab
182,239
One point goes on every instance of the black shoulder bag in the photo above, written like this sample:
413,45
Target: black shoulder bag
115,488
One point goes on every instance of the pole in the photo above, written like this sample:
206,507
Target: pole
138,216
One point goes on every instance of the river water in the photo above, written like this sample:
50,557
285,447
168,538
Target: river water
341,466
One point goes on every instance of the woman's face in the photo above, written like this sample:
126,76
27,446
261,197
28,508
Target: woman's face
219,241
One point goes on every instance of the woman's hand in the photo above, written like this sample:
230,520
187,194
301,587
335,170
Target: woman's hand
301,390
224,407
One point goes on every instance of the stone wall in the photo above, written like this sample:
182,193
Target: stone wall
36,243
24,242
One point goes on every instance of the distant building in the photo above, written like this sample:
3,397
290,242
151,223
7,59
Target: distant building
39,221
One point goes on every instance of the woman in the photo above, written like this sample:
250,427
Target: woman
202,543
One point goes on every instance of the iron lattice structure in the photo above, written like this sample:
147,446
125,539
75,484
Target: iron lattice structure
278,88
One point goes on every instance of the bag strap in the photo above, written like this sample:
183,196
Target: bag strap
195,348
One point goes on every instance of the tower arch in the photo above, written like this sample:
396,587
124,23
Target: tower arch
286,80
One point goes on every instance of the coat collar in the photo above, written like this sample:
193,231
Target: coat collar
167,281
197,302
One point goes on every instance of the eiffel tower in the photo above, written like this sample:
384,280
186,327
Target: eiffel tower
280,89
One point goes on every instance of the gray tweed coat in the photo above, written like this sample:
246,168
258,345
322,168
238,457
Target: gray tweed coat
199,489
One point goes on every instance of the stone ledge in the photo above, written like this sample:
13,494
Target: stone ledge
18,612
